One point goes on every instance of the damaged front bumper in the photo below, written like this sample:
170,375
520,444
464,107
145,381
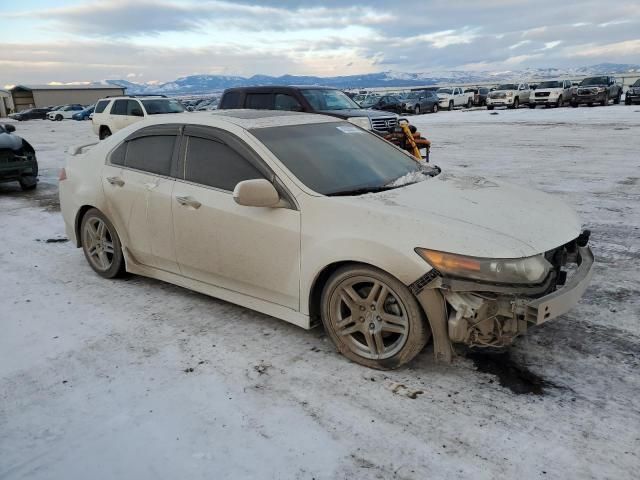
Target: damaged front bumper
487,315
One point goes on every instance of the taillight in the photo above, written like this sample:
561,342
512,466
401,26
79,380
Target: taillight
63,174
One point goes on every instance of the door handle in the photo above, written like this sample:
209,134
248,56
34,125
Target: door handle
188,201
115,181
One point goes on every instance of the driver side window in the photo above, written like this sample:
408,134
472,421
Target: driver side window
287,102
214,164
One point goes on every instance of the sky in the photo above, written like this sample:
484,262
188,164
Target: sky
158,41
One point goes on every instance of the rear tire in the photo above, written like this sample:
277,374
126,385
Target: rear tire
616,101
372,318
104,133
30,182
101,244
469,103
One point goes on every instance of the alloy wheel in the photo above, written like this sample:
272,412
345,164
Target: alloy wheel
370,317
98,243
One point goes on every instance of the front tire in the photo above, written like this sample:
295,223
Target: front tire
101,244
450,105
104,133
605,101
489,107
616,101
372,318
434,109
58,118
416,110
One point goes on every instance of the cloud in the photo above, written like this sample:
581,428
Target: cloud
169,38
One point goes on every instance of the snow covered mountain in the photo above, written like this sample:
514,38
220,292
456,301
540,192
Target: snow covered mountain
198,84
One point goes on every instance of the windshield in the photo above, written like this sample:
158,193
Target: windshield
444,90
337,158
637,83
594,81
507,86
550,84
329,100
154,107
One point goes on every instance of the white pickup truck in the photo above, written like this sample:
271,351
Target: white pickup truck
454,97
510,95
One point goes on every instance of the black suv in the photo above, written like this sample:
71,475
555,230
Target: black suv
327,101
597,90
633,93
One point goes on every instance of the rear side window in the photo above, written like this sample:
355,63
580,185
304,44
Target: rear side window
119,107
101,105
258,101
215,164
150,154
134,107
230,100
287,102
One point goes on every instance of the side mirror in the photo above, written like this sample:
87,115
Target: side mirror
256,193
136,112
9,128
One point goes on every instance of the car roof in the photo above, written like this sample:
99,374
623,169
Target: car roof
268,88
243,118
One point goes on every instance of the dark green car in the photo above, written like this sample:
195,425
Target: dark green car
18,161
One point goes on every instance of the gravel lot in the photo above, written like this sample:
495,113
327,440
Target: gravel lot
139,379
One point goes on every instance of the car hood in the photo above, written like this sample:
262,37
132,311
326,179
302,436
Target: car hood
356,112
550,90
469,215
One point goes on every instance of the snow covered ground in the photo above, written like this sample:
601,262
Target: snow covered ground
139,379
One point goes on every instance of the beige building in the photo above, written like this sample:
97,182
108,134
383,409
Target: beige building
6,104
39,96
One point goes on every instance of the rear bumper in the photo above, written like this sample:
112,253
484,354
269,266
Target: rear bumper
562,300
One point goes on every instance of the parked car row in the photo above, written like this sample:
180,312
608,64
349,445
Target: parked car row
550,93
57,112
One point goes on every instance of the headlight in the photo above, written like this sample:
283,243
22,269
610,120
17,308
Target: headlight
554,94
495,270
601,89
509,94
362,122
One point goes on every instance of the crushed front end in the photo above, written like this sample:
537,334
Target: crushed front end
483,314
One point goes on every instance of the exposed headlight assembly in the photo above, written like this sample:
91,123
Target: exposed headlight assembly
362,122
528,270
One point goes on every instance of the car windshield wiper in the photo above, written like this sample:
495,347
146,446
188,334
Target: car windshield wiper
360,191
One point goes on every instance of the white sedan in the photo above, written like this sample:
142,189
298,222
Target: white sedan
307,218
65,112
